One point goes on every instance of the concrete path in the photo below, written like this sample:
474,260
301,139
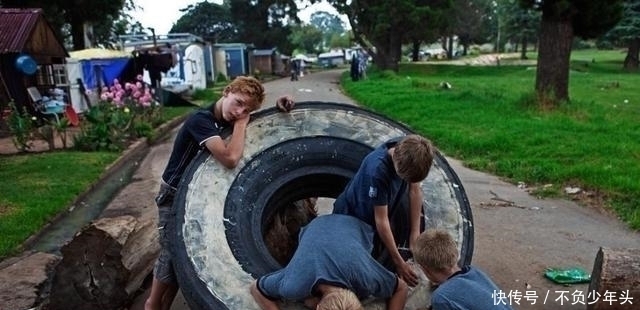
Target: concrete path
517,236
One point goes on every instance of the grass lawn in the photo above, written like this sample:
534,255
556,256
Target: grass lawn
489,120
36,187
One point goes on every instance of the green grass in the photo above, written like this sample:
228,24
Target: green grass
36,187
490,121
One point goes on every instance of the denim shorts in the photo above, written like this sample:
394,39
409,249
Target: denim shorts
163,269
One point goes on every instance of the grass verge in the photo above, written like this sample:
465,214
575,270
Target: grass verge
39,186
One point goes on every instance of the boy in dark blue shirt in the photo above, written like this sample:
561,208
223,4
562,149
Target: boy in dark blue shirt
466,288
332,260
385,177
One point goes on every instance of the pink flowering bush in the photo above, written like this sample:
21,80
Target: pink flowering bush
125,112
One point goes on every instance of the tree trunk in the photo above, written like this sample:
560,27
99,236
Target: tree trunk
523,51
104,264
450,48
616,273
388,50
631,61
552,77
77,33
415,50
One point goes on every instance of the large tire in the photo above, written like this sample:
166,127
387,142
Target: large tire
310,152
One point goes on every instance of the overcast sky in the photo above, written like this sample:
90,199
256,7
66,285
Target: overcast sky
161,15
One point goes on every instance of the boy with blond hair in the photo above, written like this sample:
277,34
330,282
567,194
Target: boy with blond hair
202,131
466,288
389,176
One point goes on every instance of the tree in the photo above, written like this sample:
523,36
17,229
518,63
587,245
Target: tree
520,24
75,13
107,31
328,24
343,40
208,20
627,31
265,23
307,38
381,26
431,26
468,20
561,21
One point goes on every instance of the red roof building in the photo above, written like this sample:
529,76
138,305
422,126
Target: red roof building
26,32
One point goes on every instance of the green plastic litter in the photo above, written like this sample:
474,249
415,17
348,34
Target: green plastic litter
568,275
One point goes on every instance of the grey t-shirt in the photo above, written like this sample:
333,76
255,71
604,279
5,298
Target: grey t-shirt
333,249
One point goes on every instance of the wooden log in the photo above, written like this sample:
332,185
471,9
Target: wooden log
104,264
615,280
25,279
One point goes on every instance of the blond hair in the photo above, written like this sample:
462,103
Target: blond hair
249,86
340,299
413,156
436,250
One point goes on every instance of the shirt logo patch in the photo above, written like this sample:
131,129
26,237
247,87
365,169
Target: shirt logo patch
373,192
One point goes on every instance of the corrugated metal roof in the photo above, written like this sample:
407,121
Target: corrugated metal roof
264,52
16,26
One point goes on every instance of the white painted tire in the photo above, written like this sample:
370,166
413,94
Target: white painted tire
312,151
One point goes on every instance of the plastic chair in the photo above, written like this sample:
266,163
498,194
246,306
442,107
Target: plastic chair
46,107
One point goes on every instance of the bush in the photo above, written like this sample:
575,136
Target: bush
21,127
221,78
123,114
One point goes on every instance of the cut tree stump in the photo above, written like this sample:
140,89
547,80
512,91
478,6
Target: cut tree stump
615,280
104,264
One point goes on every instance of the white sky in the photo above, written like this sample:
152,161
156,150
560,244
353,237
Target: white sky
161,15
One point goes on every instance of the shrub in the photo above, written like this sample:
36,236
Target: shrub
124,113
21,125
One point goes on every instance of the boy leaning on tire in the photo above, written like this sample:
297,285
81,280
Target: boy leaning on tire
202,130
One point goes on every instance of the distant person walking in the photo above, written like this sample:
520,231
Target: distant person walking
294,69
355,67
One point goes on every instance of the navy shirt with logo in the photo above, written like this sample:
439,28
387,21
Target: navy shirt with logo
376,183
196,130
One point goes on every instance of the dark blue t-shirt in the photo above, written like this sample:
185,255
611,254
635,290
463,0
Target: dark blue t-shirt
468,289
196,130
376,183
333,249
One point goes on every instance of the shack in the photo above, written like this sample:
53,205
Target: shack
232,59
31,55
265,60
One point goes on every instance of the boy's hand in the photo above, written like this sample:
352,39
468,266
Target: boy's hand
405,272
241,122
285,103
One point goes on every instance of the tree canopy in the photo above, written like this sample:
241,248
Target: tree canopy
328,24
208,20
627,32
381,27
75,13
265,23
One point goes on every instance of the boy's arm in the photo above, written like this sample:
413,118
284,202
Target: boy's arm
264,302
229,154
415,210
399,297
386,236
